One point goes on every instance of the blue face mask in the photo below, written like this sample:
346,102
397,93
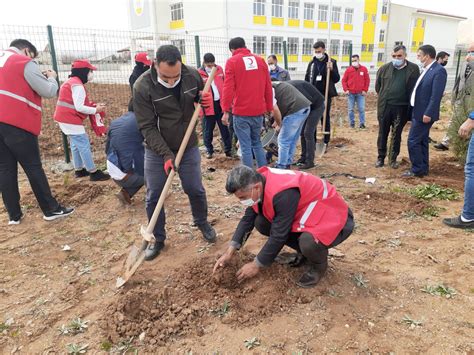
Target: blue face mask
397,63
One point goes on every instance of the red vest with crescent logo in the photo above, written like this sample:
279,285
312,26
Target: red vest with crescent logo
65,111
321,211
20,105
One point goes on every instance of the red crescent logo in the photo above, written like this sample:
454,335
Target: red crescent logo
250,61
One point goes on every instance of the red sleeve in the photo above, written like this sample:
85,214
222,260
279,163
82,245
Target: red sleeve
367,80
97,123
229,86
344,80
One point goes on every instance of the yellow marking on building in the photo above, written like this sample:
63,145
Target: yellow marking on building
348,27
293,22
176,25
322,25
368,29
293,58
336,26
277,21
260,20
308,24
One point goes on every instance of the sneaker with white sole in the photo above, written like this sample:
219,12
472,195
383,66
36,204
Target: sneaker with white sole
15,222
58,213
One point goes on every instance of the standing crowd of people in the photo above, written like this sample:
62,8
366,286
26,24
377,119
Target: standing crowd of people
250,95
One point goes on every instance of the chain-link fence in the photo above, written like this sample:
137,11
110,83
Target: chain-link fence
112,52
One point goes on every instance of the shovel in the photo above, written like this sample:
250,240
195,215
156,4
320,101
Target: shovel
137,255
321,147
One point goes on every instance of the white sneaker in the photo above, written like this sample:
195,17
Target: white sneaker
14,223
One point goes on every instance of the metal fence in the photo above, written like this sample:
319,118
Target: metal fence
112,52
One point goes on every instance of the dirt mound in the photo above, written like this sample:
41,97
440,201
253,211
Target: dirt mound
341,141
447,172
80,193
386,204
193,297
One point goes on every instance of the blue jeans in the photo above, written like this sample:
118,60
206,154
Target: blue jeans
288,137
190,174
248,130
81,152
468,210
351,100
418,149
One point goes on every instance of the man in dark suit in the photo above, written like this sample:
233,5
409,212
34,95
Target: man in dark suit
425,100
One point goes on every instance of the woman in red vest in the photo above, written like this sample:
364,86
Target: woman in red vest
72,108
292,208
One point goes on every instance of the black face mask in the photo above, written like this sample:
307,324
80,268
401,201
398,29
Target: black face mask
443,64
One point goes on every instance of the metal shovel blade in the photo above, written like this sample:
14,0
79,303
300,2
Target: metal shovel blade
135,258
320,149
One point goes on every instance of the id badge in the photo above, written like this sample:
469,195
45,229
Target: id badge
319,77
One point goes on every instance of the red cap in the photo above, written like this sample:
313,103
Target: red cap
82,63
142,57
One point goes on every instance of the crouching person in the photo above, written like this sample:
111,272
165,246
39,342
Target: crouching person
126,155
292,208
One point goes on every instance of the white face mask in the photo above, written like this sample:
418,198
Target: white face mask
318,55
272,66
208,70
90,77
249,202
166,85
355,64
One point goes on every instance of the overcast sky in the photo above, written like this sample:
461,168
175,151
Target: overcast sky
112,14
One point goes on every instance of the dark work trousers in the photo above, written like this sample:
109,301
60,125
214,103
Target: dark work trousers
308,134
394,118
190,174
233,136
132,183
20,146
304,243
209,123
327,137
418,148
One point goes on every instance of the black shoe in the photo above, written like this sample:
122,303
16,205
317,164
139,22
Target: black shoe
312,276
124,197
440,146
352,125
380,163
208,233
81,173
99,175
228,154
16,221
362,126
58,213
394,165
154,250
456,222
411,174
300,161
306,166
209,155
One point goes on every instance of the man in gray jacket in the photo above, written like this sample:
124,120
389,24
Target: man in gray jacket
163,100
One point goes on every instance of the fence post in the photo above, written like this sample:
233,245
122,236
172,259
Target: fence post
198,51
457,65
54,61
285,54
350,54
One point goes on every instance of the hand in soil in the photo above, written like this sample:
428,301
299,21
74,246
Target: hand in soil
247,271
224,259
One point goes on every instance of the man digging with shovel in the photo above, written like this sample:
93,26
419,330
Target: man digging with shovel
292,208
163,100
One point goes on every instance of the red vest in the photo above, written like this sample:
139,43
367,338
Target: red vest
20,106
219,81
321,211
65,111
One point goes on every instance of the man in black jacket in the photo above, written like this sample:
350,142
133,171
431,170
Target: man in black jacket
308,134
316,74
163,101
142,64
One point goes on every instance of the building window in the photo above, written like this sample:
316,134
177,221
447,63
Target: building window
293,45
374,18
307,46
363,48
413,43
399,43
423,23
177,12
259,44
380,57
293,7
420,43
334,47
324,40
371,48
180,44
336,14
366,16
308,11
259,7
384,7
382,36
323,13
348,14
277,8
346,47
277,45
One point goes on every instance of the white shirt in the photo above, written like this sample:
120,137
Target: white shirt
114,172
425,70
215,92
78,98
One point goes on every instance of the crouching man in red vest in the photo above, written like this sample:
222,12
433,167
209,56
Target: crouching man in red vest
292,208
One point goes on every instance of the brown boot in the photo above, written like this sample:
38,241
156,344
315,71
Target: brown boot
124,197
312,276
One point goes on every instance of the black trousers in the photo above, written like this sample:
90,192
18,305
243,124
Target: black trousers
20,146
327,137
394,118
304,243
308,134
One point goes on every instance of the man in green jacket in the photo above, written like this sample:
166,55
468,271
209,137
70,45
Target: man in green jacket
394,83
